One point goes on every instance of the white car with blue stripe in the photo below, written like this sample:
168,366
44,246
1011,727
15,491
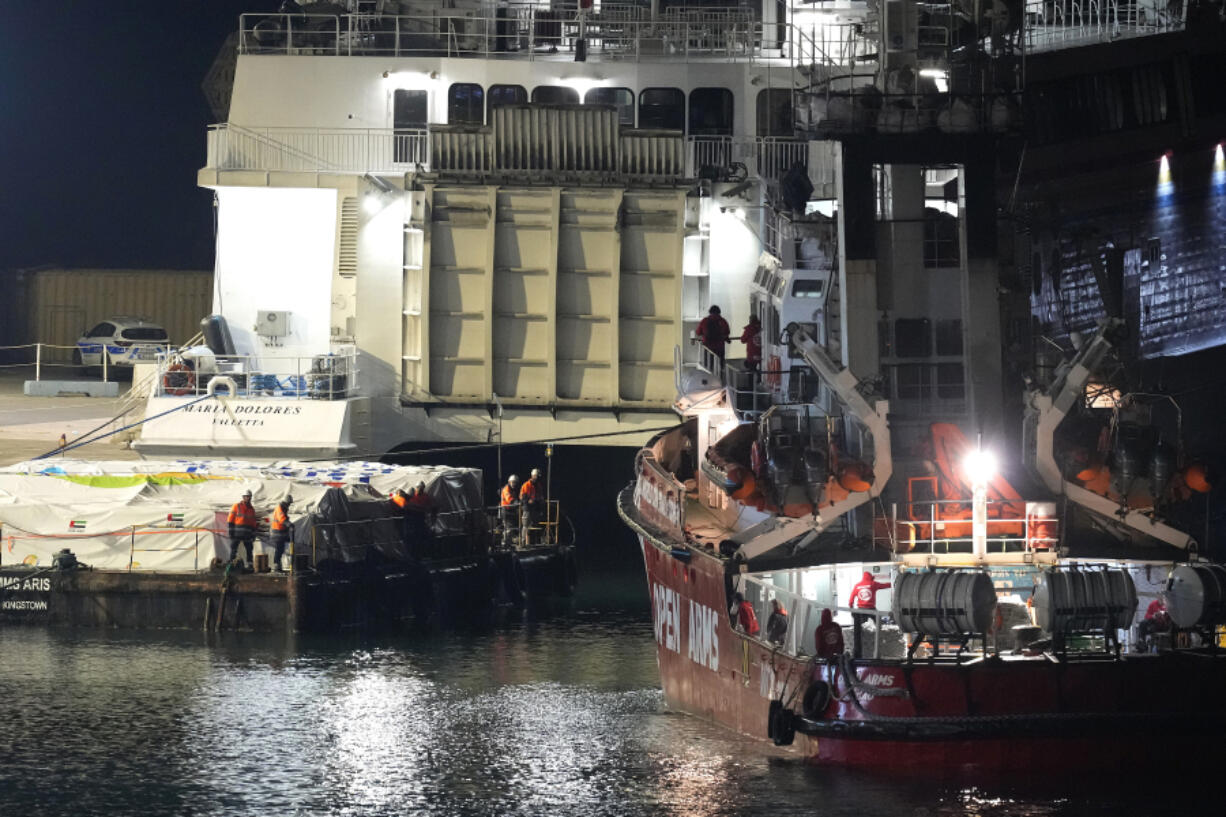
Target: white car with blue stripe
126,340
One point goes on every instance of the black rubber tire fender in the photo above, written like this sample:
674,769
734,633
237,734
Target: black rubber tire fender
816,699
784,728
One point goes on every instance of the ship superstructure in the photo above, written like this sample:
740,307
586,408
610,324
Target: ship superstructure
503,221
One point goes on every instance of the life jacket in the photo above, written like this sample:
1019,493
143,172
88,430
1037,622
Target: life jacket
508,496
529,493
280,519
242,515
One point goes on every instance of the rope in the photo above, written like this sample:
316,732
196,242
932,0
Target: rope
71,446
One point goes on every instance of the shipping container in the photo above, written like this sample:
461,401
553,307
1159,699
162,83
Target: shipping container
63,303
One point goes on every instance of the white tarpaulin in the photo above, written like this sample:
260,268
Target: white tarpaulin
170,515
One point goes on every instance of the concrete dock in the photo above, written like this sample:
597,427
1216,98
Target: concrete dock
31,426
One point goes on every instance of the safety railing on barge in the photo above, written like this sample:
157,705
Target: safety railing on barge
303,377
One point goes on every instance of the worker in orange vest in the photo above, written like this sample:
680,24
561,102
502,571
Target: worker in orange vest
508,509
532,498
282,531
242,527
419,515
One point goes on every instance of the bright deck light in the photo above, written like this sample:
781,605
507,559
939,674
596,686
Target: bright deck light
980,466
1219,159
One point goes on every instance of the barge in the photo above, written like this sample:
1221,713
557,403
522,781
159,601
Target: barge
146,545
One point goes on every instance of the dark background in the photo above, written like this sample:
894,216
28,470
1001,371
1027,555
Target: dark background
104,130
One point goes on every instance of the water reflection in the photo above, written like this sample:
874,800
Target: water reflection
560,718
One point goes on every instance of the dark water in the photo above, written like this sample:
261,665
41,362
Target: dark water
561,716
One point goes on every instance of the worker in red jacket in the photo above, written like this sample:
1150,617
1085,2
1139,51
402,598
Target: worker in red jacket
713,331
829,637
745,618
751,336
864,597
242,523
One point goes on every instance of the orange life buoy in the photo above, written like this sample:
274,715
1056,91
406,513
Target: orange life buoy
178,380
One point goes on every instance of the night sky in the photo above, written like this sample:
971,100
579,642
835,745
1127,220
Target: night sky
104,130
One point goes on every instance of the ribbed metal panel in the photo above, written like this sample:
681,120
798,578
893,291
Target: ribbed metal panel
347,248
568,138
65,302
461,149
652,153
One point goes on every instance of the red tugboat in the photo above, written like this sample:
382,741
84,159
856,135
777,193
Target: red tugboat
999,640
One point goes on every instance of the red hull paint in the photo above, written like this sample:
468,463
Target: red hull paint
1003,715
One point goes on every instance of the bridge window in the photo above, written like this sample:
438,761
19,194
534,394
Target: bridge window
775,112
620,98
662,108
950,383
940,239
465,104
710,112
806,289
949,337
554,95
504,95
912,337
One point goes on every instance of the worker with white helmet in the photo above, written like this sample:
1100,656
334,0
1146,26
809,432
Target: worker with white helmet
282,531
532,497
242,522
508,510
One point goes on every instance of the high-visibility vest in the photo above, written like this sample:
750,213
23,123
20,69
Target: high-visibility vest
280,519
528,493
399,500
508,495
242,515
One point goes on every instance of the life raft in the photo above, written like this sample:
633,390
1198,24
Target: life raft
179,379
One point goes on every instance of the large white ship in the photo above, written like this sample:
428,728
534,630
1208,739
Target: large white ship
480,221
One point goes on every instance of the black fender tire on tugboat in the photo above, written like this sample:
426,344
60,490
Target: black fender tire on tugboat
771,715
816,699
783,725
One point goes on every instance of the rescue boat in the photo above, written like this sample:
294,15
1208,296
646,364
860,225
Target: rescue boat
1005,639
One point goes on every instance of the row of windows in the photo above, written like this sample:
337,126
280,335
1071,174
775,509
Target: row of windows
710,110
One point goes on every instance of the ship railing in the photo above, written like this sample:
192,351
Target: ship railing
184,373
764,157
1053,24
514,527
532,32
945,526
355,150
447,535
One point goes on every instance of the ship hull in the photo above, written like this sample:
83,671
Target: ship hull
998,714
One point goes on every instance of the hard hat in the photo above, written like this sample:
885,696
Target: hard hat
246,493
536,472
513,478
288,499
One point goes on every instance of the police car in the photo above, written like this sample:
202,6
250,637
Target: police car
126,340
